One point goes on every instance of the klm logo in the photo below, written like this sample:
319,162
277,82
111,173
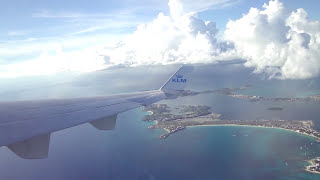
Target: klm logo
179,79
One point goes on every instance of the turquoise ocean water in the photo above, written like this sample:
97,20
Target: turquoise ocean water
132,151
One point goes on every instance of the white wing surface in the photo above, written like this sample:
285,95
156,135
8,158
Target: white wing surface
25,126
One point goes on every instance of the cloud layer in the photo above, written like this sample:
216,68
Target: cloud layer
281,43
166,41
273,40
180,37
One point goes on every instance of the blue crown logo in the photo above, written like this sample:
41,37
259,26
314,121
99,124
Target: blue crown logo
179,76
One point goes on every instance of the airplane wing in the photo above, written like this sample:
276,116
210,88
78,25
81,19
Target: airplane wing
26,126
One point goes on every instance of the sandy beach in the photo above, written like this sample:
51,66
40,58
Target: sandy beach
318,139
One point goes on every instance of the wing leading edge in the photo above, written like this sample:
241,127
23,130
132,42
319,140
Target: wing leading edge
26,126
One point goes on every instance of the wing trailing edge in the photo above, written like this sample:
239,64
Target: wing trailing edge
26,126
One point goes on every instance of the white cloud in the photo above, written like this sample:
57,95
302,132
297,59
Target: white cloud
273,40
50,56
179,38
50,63
35,46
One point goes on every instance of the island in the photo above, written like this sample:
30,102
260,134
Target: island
315,165
275,108
178,118
173,120
233,92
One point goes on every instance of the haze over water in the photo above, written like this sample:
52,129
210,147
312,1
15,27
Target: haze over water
132,151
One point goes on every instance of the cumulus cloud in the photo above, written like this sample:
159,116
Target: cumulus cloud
273,40
180,37
283,44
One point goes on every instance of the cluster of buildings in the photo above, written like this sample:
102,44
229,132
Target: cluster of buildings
302,126
258,98
201,115
162,113
315,165
309,132
316,98
171,129
251,98
298,127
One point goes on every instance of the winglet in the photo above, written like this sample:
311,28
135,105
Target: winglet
178,81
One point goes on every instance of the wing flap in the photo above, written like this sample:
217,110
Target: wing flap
24,123
18,131
33,148
107,123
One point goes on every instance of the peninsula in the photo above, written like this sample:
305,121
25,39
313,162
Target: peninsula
315,166
181,117
233,92
178,118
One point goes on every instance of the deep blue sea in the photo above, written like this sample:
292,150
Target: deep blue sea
132,151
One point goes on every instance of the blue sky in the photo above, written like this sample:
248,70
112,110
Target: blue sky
40,28
52,18
222,15
42,18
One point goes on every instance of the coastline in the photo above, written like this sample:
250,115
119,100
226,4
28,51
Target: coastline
151,112
213,125
314,172
168,132
311,163
306,168
190,116
316,138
